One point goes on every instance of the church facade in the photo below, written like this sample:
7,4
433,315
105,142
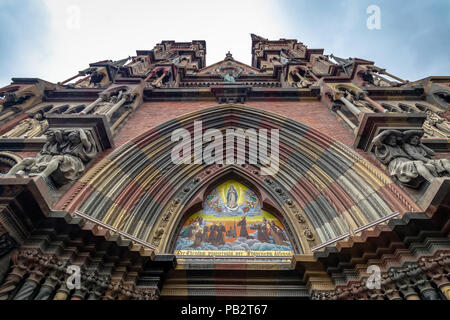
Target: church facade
300,176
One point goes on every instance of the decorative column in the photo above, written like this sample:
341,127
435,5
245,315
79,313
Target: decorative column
117,106
421,282
39,266
7,246
351,107
93,105
378,106
404,283
435,268
55,278
20,268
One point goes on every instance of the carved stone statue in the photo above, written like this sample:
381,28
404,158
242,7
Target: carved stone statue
417,151
229,74
107,103
406,158
7,245
30,127
439,123
62,158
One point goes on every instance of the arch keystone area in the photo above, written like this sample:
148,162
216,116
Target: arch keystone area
322,190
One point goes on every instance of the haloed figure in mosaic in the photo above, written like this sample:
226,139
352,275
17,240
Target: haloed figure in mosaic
231,221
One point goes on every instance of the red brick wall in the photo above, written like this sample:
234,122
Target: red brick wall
313,114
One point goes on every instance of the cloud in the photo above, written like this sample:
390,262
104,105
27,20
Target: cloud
40,38
412,42
23,38
114,29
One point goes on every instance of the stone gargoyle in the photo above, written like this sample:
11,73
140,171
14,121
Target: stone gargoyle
63,157
407,158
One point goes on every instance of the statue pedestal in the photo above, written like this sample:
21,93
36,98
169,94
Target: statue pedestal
24,202
436,202
372,124
98,124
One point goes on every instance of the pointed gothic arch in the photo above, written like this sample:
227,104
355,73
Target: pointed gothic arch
243,175
323,189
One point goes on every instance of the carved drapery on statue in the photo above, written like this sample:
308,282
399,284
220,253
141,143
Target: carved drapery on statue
407,159
62,158
229,73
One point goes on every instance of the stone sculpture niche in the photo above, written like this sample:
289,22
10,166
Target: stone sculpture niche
408,159
63,157
29,128
229,74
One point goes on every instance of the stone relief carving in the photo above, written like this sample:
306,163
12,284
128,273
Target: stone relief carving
62,158
436,126
407,158
108,104
229,74
29,128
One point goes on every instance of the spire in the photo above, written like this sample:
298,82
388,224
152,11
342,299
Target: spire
119,63
341,61
256,38
346,64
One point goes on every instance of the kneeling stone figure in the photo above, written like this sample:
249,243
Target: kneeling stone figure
62,158
407,159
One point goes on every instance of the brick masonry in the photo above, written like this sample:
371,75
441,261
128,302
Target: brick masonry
313,114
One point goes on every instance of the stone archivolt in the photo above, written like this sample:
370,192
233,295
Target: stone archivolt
339,192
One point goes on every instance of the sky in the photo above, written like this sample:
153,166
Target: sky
54,39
